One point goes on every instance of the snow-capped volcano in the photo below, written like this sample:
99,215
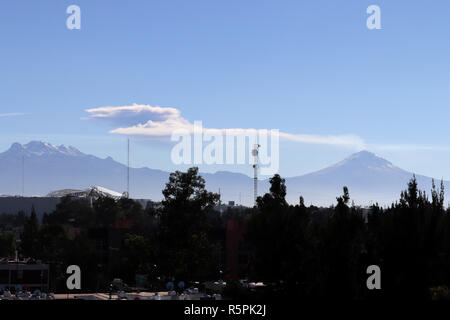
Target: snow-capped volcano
39,148
369,178
364,159
45,167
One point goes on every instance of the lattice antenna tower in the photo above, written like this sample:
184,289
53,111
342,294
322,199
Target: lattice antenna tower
255,152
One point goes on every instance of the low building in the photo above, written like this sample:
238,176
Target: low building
24,274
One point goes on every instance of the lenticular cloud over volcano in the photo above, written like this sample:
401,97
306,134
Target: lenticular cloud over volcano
156,121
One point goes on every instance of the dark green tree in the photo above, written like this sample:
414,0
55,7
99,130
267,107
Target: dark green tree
7,244
30,236
107,212
137,257
75,212
268,234
186,250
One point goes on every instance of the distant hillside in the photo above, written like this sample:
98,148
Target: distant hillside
49,168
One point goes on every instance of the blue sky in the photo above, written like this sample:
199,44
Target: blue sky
303,67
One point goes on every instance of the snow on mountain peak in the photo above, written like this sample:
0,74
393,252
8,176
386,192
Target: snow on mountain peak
365,159
41,148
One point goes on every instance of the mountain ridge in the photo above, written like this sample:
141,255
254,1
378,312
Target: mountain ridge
370,178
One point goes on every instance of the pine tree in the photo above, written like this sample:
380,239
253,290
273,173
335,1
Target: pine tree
30,234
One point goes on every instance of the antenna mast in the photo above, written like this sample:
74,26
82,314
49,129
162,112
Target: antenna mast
23,176
128,169
255,172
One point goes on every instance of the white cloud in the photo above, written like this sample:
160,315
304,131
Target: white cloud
146,120
16,114
348,140
134,110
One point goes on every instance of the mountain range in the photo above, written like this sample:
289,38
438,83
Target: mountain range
48,168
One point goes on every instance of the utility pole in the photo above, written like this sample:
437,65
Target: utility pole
255,172
128,170
23,176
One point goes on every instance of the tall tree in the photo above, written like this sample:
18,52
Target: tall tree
186,248
7,244
30,235
267,233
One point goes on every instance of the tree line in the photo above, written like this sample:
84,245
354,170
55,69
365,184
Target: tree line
297,250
